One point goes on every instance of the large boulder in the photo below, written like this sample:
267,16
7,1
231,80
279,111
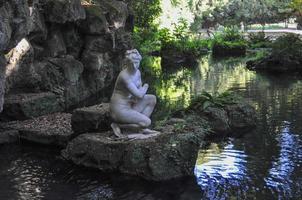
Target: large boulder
70,68
95,22
91,119
277,64
242,118
55,45
28,105
19,69
73,40
169,155
2,80
116,12
14,23
217,119
96,55
53,129
19,20
62,11
285,56
37,27
5,27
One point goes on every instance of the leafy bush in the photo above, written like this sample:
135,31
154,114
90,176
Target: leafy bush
259,40
178,41
256,56
232,34
146,40
229,42
289,44
182,42
145,13
285,56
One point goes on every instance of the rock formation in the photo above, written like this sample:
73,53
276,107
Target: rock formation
72,49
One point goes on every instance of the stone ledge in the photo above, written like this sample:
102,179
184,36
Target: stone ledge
91,119
54,129
169,155
163,157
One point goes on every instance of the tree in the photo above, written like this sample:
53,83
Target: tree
296,5
145,11
235,12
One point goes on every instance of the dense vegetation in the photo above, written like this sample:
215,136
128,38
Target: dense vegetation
229,42
182,42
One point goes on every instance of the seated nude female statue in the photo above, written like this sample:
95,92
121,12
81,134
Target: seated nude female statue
130,106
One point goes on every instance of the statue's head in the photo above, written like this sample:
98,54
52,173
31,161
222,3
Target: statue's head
134,57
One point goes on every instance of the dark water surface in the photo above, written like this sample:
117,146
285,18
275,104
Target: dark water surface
265,164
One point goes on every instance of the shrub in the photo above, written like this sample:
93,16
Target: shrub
146,40
259,40
289,44
229,42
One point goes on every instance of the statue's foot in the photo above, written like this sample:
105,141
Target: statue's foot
149,131
116,130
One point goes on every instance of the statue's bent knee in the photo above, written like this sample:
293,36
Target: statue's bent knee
145,123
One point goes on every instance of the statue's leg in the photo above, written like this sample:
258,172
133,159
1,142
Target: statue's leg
146,105
132,119
116,130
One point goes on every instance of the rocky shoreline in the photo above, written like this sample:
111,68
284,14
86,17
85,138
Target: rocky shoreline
86,139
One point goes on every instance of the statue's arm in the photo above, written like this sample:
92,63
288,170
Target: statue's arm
137,92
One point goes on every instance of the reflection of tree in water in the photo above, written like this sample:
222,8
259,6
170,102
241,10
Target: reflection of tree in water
272,151
175,87
277,99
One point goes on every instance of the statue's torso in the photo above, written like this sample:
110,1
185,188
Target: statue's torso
121,94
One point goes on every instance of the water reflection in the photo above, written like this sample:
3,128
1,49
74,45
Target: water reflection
280,175
263,165
220,170
175,87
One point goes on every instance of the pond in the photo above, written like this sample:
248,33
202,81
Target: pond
264,164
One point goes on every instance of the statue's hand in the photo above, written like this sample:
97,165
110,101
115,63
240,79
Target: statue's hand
145,87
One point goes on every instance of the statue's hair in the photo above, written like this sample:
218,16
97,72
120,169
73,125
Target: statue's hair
126,62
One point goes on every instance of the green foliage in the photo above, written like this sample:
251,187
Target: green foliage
181,30
230,41
257,56
145,12
289,44
232,34
181,41
206,100
286,51
247,11
296,5
229,34
259,40
146,40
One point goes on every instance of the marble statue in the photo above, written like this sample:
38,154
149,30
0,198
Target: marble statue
130,105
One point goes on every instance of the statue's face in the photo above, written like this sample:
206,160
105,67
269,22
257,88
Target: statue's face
134,56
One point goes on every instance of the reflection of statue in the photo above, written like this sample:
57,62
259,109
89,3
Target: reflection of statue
130,106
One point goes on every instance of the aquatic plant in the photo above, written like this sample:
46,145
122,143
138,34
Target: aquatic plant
205,100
